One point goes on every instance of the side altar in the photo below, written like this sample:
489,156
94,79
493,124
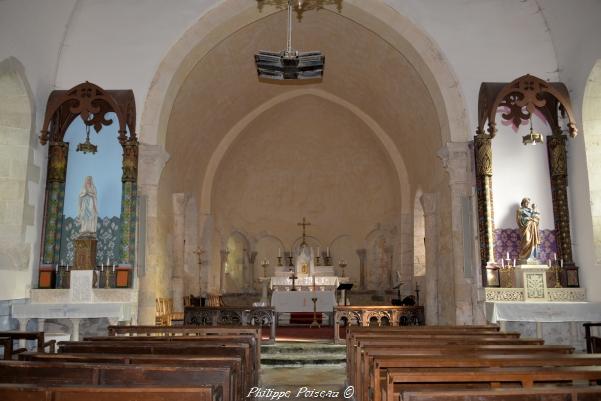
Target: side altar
80,301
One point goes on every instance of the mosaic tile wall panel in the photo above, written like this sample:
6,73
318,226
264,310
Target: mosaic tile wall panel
108,234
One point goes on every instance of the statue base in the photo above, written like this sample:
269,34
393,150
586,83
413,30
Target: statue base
85,253
533,278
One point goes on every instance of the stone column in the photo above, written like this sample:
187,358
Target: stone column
224,254
456,160
430,203
177,278
249,274
152,160
406,253
362,253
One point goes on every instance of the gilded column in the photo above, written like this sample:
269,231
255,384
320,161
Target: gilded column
129,196
558,171
55,199
483,158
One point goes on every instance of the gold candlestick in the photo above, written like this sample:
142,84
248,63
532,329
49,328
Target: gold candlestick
315,323
265,265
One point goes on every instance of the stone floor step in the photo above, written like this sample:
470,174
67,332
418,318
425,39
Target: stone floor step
314,348
303,359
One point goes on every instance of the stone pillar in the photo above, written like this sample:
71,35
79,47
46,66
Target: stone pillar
249,273
152,160
177,278
456,160
406,253
223,259
362,253
430,204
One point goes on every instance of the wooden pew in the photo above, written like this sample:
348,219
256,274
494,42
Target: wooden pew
382,363
163,360
32,392
414,378
61,373
37,336
190,348
570,393
357,364
250,339
7,347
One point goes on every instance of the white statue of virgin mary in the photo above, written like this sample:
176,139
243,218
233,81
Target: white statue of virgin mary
88,212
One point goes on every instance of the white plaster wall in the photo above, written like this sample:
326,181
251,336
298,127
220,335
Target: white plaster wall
520,171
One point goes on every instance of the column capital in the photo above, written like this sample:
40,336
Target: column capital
455,157
152,159
429,203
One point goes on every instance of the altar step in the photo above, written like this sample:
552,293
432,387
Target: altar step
295,354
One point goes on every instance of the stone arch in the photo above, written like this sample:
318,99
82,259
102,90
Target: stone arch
238,128
591,124
223,20
16,166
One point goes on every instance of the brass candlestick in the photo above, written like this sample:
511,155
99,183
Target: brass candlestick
507,271
328,260
315,323
342,265
279,261
290,260
317,261
556,269
265,264
107,275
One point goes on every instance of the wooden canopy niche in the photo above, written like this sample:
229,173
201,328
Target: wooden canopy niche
92,103
521,98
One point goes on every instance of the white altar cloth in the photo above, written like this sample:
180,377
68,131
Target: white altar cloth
300,301
542,312
323,281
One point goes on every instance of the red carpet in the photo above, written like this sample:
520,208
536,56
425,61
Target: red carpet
304,318
289,333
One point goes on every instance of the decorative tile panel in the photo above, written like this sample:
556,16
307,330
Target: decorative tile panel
108,235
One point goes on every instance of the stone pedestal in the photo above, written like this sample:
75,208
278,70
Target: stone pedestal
533,278
85,253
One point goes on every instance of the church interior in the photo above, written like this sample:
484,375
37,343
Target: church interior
286,199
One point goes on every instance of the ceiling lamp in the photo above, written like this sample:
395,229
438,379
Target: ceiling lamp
533,137
289,63
87,146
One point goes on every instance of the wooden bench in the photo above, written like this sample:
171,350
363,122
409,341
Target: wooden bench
32,392
62,373
414,378
251,348
37,336
190,348
163,360
381,363
570,393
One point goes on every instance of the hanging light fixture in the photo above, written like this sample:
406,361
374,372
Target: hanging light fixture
533,137
87,146
290,64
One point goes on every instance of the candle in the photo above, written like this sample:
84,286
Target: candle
318,251
561,263
514,263
502,262
507,255
107,262
57,267
102,267
113,267
554,256
67,266
279,252
328,251
549,263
